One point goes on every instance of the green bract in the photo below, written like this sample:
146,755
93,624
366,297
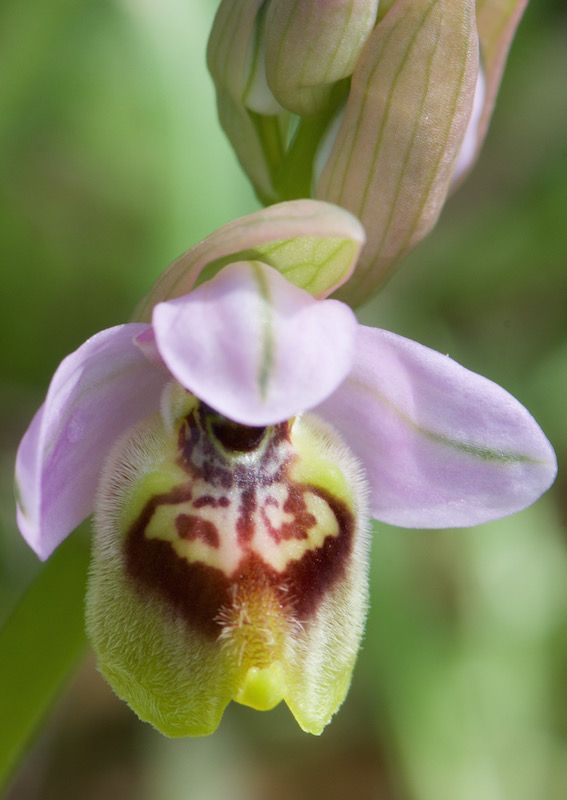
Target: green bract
309,47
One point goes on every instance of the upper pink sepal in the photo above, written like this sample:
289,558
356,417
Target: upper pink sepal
253,346
97,393
442,446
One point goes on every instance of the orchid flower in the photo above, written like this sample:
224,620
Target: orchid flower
233,445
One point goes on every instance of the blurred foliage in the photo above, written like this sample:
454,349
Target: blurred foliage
42,625
111,163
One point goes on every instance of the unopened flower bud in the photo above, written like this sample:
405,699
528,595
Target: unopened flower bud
313,44
497,23
382,111
408,108
247,110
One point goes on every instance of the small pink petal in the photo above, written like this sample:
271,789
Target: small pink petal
97,392
442,446
253,346
470,145
146,342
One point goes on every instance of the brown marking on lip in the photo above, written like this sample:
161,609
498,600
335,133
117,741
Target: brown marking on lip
213,502
198,592
204,595
190,528
296,506
245,521
191,590
318,570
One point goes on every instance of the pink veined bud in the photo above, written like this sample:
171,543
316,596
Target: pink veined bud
313,44
393,158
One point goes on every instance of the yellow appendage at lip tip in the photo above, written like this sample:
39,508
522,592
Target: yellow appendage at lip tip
262,688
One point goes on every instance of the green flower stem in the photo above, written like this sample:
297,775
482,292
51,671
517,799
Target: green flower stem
294,178
271,138
40,643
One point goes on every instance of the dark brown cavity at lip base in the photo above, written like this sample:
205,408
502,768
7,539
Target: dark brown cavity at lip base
238,438
197,592
231,435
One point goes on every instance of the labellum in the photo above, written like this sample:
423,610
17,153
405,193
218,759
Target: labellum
230,563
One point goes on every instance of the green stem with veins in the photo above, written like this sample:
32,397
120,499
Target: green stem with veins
294,178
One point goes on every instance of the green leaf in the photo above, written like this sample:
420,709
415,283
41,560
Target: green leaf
40,643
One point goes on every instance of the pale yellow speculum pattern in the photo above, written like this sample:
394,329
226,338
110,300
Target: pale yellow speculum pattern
227,555
279,554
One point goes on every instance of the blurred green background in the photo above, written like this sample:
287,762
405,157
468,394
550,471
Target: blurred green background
111,163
